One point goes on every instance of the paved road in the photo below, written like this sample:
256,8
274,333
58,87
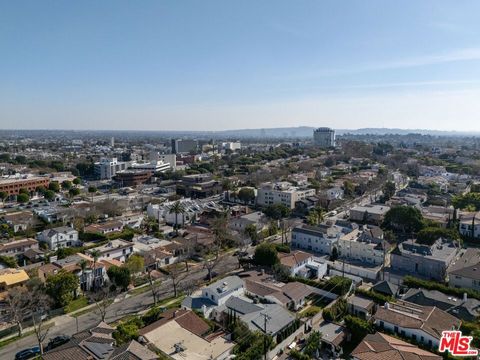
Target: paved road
66,324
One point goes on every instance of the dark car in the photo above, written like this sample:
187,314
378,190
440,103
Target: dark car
57,341
27,353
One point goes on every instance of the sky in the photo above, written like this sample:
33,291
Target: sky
219,64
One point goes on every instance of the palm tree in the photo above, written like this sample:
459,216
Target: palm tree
95,254
177,208
83,266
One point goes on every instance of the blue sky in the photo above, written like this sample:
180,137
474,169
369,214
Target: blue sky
206,65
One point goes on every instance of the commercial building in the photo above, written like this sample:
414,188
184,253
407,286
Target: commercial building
132,177
184,146
417,259
198,186
282,193
12,185
106,168
324,137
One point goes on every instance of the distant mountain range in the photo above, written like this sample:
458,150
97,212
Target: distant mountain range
286,132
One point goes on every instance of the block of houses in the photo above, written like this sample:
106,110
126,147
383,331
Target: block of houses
465,308
182,334
59,237
428,261
423,324
98,344
303,264
382,346
464,272
115,249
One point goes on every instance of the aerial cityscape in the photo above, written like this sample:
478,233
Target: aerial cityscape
239,180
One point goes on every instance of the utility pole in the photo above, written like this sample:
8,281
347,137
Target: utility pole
266,317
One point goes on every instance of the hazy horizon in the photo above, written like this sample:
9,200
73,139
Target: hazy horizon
213,65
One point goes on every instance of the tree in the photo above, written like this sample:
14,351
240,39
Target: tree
66,185
41,190
18,306
92,190
120,277
251,231
23,191
3,196
62,287
40,304
135,264
431,234
83,266
265,254
49,195
177,275
469,200
389,190
277,211
22,198
403,218
177,208
210,262
74,192
312,344
154,286
77,181
246,195
348,188
281,272
54,186
103,299
334,254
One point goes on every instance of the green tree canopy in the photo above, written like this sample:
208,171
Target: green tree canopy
49,195
429,235
246,195
22,198
265,254
277,211
66,185
120,276
470,200
62,287
403,218
135,263
54,186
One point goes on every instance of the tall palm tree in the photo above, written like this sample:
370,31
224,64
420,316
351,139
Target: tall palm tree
177,208
83,265
95,254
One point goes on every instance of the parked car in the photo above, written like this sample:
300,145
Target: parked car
27,353
57,341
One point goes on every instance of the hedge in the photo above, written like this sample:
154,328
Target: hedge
375,296
411,281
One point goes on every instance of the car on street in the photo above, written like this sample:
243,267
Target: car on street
57,341
27,353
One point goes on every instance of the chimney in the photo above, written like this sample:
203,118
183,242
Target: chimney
175,313
386,305
465,296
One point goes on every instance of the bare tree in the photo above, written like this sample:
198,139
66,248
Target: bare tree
211,261
39,306
18,305
177,275
103,298
154,285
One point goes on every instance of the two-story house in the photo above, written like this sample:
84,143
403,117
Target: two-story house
59,237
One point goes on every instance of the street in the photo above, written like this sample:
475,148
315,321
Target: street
66,324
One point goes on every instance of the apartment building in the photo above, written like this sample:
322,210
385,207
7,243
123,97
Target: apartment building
372,213
107,168
282,193
324,137
417,259
320,239
362,245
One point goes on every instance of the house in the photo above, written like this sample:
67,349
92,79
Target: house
429,261
333,336
320,239
12,277
215,295
372,213
360,306
181,334
381,346
386,288
469,225
59,237
18,247
240,223
98,344
115,249
465,309
423,324
464,272
303,264
19,220
105,227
